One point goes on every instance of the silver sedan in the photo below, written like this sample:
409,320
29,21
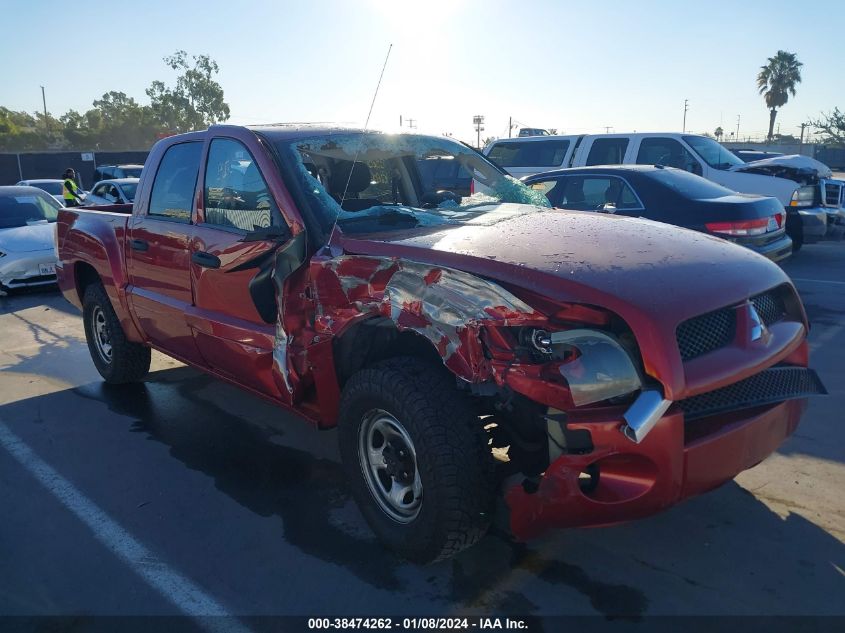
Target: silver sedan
27,237
115,191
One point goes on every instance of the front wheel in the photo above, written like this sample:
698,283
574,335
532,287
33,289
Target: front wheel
116,358
417,459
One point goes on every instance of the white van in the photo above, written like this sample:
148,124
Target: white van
697,154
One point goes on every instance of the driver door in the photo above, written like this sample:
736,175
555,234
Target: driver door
235,305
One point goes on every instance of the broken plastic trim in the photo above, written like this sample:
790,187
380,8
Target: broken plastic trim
603,370
641,416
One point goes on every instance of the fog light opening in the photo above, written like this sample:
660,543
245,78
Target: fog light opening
588,479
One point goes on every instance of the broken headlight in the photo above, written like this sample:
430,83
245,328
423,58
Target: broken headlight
803,197
596,366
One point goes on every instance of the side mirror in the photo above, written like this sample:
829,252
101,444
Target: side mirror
696,169
609,208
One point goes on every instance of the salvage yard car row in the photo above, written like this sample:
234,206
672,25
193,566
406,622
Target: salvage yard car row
814,200
614,365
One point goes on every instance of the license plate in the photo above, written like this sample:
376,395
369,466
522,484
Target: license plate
47,269
773,224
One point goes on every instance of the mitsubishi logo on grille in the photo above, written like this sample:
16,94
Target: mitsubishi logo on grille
758,328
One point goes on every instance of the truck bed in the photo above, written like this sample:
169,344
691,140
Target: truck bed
94,236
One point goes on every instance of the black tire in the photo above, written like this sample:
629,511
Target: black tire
127,361
453,459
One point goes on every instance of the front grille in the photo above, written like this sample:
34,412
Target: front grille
832,194
709,332
769,306
706,333
772,385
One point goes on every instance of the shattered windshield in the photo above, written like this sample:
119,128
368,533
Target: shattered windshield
371,182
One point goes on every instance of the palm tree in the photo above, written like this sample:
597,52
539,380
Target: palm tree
719,132
776,81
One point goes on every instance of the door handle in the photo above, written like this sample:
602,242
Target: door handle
140,245
206,260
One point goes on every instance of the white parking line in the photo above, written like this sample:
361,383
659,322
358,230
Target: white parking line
819,281
173,586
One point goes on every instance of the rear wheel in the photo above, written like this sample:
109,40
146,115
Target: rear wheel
117,359
417,459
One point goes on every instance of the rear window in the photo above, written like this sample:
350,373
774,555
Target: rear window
173,190
529,153
688,185
131,172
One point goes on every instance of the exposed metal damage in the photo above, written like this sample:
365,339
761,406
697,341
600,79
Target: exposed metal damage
445,306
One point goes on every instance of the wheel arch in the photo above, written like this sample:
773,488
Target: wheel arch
376,339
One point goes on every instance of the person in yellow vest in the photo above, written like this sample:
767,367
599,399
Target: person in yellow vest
70,190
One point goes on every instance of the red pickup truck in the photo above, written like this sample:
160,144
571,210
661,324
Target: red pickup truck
589,368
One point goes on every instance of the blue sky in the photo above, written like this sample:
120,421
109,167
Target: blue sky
574,66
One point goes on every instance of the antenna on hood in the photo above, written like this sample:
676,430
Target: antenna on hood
366,124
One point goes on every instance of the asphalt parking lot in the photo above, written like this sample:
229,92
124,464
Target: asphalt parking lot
183,495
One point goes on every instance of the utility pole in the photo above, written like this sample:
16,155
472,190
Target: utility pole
510,126
478,122
412,123
737,127
607,129
801,140
686,107
44,101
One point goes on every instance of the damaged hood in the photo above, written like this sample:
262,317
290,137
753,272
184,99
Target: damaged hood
794,167
26,239
653,275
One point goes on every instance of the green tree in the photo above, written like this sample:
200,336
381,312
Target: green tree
776,81
719,132
197,99
21,131
831,127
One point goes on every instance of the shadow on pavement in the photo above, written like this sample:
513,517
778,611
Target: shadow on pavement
778,565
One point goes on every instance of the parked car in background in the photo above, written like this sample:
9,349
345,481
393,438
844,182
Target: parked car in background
107,172
673,196
803,192
533,131
750,155
27,237
619,365
819,190
117,191
439,173
50,185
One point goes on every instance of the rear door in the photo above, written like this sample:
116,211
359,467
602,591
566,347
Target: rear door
235,308
607,150
593,192
662,150
158,254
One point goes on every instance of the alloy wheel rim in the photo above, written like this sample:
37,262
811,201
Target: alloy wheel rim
102,336
389,464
